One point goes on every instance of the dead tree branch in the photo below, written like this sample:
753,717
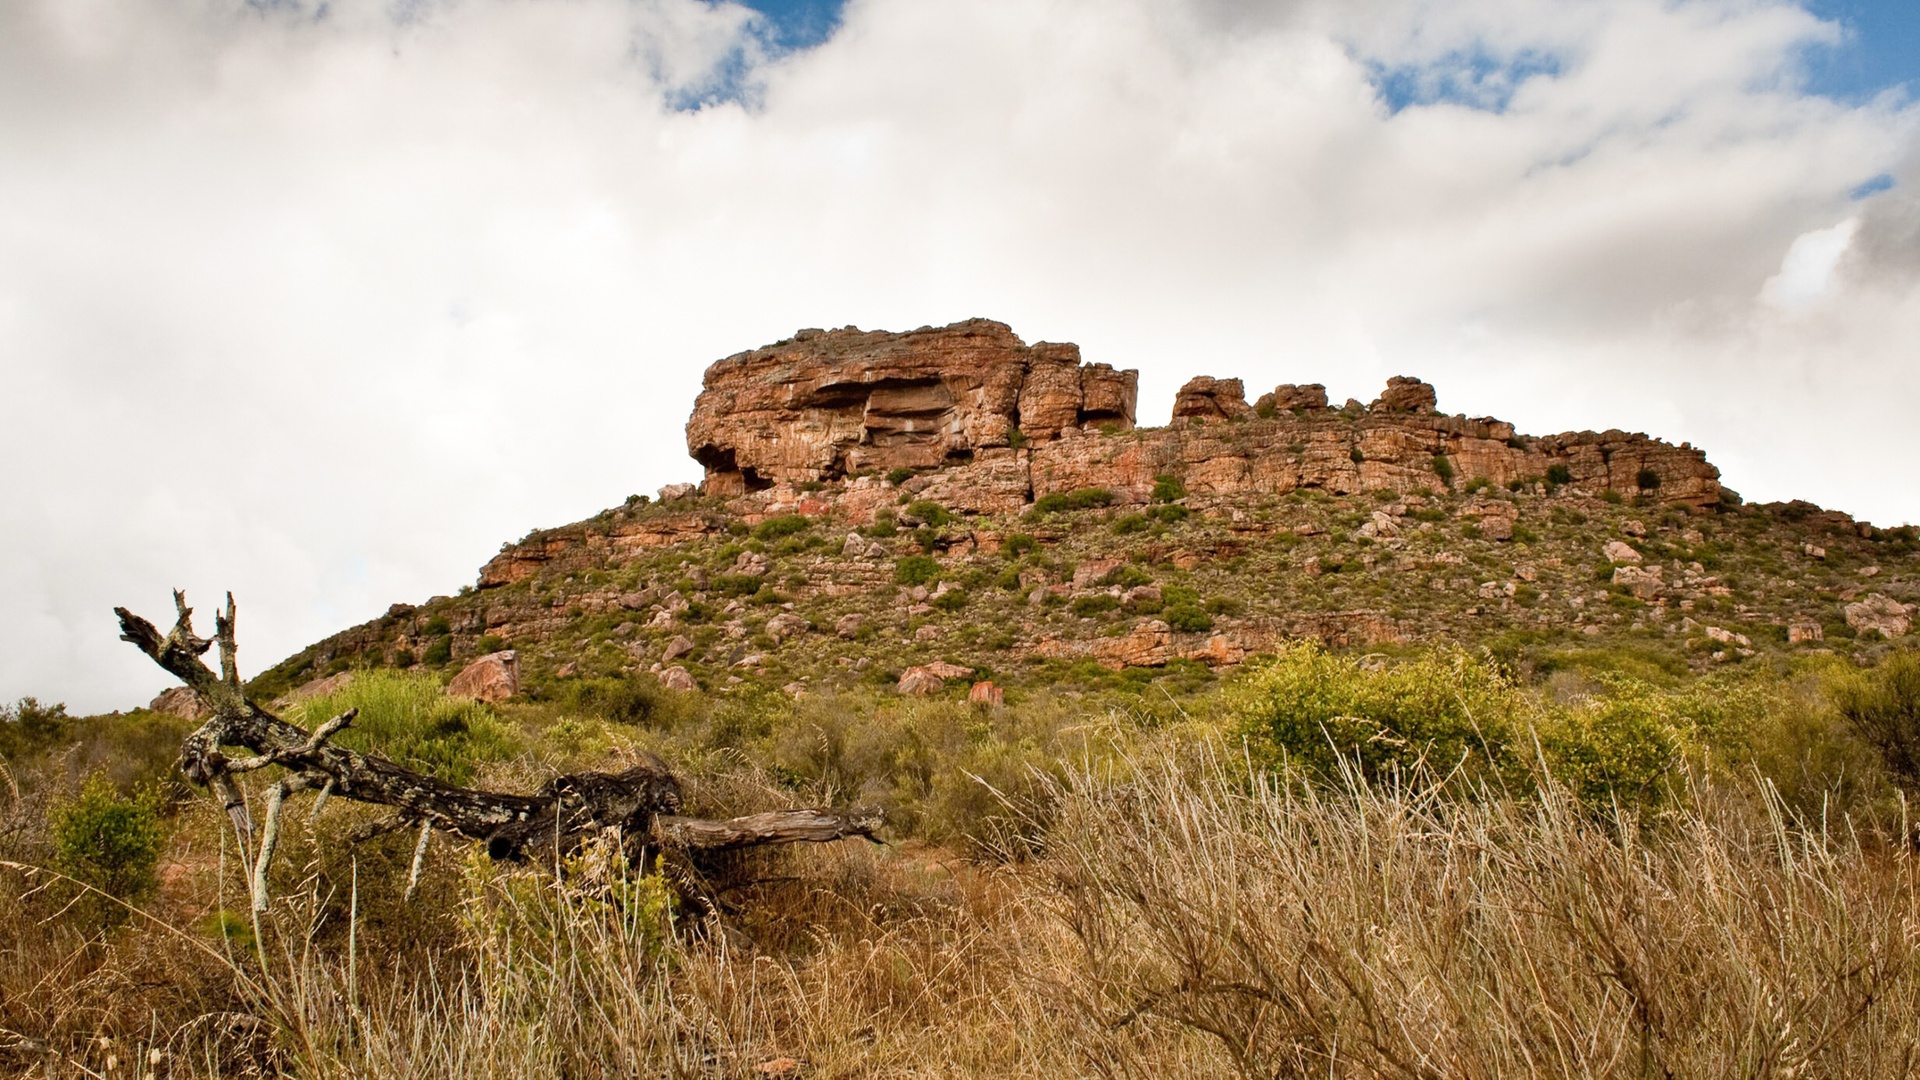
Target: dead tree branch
641,802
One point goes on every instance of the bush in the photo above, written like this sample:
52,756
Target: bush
1089,498
1882,707
931,513
1126,575
1016,545
915,570
1128,524
738,584
1559,474
899,476
1646,479
622,701
1187,618
1443,468
109,841
775,528
1171,513
1443,709
489,643
1168,488
436,627
408,720
1095,604
28,727
1354,455
1050,504
951,600
438,651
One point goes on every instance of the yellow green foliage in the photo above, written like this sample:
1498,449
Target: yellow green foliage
407,719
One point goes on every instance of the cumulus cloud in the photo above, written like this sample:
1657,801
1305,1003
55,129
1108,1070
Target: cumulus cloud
320,302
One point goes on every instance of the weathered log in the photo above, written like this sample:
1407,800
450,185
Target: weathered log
641,802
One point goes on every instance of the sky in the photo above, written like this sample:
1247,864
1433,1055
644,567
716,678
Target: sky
320,301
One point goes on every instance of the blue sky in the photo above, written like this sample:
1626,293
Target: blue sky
1882,49
450,270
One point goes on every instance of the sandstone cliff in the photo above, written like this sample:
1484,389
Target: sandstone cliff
827,404
1000,423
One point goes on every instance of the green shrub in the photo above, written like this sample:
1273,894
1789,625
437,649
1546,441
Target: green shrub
883,524
439,651
1171,513
109,841
27,727
1354,455
1646,479
1016,439
915,570
1187,618
633,700
1089,498
1094,604
1559,474
1444,709
408,720
436,627
1050,504
489,643
1443,468
1478,484
738,584
931,513
899,476
774,528
951,600
1882,707
1619,749
1128,524
1016,545
403,657
1126,575
1168,488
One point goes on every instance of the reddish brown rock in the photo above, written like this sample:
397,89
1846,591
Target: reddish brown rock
826,404
918,681
493,677
1208,398
678,678
1288,397
1881,615
1406,394
942,669
985,693
181,702
1150,644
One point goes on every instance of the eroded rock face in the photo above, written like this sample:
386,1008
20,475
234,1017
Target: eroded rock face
993,423
1879,614
830,403
1208,398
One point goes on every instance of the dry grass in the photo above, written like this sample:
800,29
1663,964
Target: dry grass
1177,920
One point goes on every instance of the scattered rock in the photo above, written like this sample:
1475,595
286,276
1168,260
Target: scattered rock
1799,631
751,660
752,564
918,681
927,633
677,646
493,677
848,626
1644,583
1618,552
1814,551
1142,594
1089,573
181,702
786,625
676,492
1634,528
985,693
855,546
1496,527
946,670
795,689
678,678
1879,614
1727,637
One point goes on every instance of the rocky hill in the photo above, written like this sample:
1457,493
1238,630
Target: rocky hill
947,507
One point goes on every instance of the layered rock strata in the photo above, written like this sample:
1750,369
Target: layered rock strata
996,424
827,404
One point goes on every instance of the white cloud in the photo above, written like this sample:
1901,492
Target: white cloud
321,309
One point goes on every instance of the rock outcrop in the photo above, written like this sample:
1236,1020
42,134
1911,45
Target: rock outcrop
993,423
827,404
493,677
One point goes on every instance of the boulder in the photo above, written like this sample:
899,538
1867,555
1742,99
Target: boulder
678,678
1290,398
1208,398
1496,527
918,681
677,646
493,677
1618,553
985,693
675,492
1881,615
945,670
1645,583
1405,394
847,626
181,702
786,625
1805,630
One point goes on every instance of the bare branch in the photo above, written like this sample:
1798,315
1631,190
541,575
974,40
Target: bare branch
419,858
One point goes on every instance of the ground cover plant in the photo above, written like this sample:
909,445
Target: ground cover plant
1436,863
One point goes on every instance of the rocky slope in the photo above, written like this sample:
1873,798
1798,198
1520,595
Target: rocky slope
954,505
